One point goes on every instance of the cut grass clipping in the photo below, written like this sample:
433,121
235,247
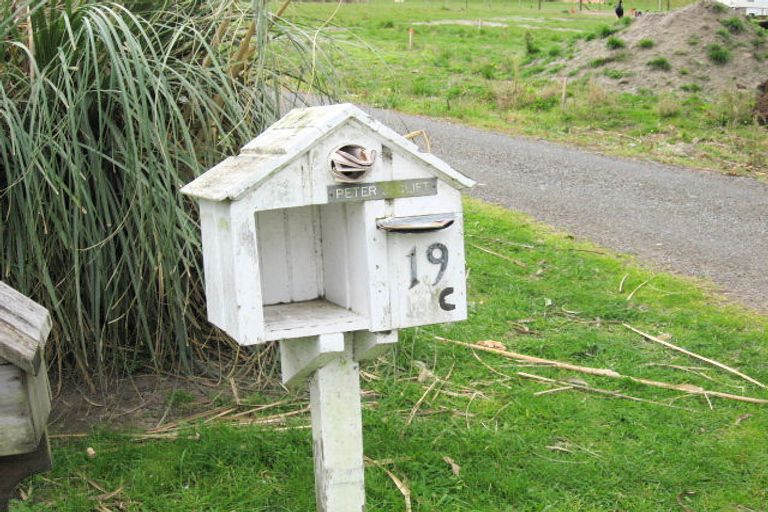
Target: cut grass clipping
549,402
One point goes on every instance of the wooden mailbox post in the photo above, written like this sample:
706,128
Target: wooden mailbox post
329,232
25,395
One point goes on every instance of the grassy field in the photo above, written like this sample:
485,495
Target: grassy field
541,293
494,77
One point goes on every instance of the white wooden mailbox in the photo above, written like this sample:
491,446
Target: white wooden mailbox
25,396
329,232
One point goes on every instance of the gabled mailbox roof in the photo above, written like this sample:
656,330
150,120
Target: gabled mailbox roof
24,327
291,137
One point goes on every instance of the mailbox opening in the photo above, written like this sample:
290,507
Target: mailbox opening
313,270
351,163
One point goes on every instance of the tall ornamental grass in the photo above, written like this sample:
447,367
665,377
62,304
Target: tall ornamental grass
106,110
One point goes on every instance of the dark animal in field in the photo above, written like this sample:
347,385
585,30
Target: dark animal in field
619,10
761,106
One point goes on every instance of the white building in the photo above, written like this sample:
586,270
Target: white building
748,7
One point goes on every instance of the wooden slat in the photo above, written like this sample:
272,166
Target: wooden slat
275,285
232,278
24,328
335,254
356,262
311,318
24,314
39,400
337,435
16,430
300,357
303,254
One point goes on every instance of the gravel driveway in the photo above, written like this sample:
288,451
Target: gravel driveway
691,222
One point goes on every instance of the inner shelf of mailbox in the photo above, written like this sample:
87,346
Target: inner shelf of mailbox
309,318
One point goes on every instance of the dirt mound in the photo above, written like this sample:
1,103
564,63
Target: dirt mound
703,47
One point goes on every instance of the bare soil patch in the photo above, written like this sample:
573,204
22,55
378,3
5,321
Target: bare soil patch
703,47
145,401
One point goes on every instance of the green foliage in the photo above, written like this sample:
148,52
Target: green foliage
530,45
724,35
487,71
718,54
600,61
555,51
659,64
544,103
606,31
387,24
103,122
717,7
732,108
646,43
668,106
423,86
614,73
691,88
614,43
735,25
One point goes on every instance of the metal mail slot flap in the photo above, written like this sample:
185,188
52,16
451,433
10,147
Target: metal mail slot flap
417,223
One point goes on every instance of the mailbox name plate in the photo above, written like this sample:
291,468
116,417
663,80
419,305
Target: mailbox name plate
382,190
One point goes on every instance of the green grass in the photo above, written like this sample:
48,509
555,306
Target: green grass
718,54
614,43
468,64
645,43
518,451
660,64
735,25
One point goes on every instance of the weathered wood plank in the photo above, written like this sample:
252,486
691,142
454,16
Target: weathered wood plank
24,328
369,345
378,267
232,278
17,433
310,318
20,350
300,357
39,400
24,314
275,286
337,434
356,262
335,253
304,254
